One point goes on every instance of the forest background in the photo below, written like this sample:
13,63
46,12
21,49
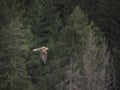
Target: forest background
83,38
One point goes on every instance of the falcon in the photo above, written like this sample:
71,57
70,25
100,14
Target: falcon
43,52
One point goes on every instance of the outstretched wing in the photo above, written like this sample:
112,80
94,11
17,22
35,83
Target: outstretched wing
36,49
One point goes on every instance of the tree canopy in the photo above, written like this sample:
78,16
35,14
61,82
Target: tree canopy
82,37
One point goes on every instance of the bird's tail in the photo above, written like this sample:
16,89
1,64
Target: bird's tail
44,58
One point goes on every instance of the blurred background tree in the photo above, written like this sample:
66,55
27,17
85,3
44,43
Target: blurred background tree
63,27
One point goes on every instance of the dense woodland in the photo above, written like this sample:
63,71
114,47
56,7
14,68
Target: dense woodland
83,38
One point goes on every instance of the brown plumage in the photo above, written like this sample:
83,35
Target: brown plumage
43,52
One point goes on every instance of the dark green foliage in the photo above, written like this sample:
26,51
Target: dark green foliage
63,28
72,40
45,26
105,13
15,46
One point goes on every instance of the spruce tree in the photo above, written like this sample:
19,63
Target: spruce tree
15,41
45,26
75,37
72,38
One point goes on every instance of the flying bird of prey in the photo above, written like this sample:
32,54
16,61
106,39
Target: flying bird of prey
43,52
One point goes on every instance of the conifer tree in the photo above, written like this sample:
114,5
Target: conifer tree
45,25
72,38
97,63
16,41
76,37
14,46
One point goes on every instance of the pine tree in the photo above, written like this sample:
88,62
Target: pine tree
72,38
75,36
16,41
45,26
105,14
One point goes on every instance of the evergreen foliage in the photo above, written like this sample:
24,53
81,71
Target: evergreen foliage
74,32
14,50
